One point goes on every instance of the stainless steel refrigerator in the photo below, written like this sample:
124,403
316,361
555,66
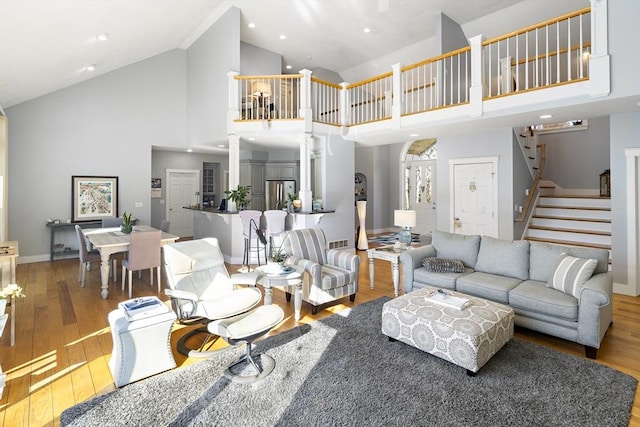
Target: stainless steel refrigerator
277,193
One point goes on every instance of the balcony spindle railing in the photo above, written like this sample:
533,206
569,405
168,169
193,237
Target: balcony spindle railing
269,97
325,102
548,54
371,99
539,67
438,82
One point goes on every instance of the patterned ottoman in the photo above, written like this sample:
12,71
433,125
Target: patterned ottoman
467,337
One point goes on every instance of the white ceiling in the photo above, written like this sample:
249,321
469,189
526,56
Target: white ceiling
46,45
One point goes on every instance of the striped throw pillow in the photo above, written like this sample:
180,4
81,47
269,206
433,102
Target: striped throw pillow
443,265
570,273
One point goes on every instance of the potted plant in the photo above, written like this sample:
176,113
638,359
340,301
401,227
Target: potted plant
127,223
239,196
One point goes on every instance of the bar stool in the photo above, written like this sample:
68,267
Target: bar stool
275,220
253,236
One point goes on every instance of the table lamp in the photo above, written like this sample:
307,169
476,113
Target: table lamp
405,219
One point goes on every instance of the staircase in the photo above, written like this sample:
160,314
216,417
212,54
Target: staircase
572,219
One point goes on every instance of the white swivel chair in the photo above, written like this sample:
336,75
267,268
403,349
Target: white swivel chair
144,252
202,291
276,224
86,256
254,240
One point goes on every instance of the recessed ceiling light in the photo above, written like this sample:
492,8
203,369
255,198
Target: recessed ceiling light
189,150
251,25
546,116
413,135
91,67
288,67
221,145
102,37
367,30
251,139
282,37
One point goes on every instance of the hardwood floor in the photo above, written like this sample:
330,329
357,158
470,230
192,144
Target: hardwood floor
63,341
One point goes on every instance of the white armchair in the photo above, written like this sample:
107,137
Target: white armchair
330,274
201,290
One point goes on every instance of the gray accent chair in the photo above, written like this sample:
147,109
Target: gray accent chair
330,274
86,256
515,273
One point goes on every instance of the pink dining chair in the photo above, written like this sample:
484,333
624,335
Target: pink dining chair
144,252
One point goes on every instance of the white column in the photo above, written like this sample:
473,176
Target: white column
306,112
476,91
234,167
345,108
305,172
398,99
233,99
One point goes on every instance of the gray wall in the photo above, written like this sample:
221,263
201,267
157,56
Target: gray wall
163,160
103,126
522,180
494,142
589,149
209,60
625,129
449,34
255,61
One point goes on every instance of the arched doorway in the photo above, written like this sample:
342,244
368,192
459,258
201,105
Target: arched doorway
419,183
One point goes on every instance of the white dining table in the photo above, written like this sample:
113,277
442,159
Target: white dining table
109,241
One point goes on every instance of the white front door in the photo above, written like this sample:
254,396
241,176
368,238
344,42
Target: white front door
474,196
182,186
421,180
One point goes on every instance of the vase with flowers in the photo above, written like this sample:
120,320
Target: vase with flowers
10,291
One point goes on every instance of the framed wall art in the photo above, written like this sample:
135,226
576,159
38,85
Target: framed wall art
94,197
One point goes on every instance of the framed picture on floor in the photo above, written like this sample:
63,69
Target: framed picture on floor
94,197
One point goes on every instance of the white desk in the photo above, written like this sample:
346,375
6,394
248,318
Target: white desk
292,278
109,241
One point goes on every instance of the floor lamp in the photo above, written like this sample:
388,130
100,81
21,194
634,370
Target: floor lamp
363,243
405,219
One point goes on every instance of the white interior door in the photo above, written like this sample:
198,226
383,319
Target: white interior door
182,186
421,180
474,196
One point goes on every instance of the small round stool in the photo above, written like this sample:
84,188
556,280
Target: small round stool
245,329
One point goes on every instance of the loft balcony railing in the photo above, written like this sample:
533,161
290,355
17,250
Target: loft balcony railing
325,102
370,100
269,97
438,82
548,54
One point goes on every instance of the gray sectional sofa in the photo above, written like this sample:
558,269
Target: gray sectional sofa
516,273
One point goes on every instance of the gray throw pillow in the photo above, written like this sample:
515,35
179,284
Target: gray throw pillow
456,246
504,257
443,265
571,273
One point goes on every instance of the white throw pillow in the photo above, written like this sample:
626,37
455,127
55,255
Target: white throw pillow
570,273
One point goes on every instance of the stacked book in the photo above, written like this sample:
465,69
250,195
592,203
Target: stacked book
140,308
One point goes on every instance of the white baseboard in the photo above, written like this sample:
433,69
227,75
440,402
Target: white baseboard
622,289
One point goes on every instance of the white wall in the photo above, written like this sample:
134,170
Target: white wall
103,126
209,59
494,142
625,129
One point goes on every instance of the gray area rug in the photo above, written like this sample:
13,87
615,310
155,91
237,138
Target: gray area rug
342,371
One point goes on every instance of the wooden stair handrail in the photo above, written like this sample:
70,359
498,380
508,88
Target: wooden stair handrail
534,185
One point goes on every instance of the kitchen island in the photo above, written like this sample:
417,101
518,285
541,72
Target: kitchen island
227,228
